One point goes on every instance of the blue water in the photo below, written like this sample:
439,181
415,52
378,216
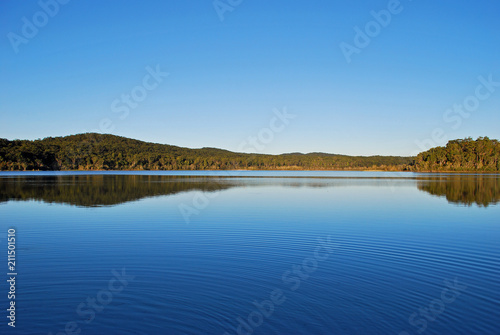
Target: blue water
252,253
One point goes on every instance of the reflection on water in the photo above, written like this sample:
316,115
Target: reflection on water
100,190
482,190
108,190
394,251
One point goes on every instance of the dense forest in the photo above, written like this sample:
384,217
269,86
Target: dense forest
93,151
464,155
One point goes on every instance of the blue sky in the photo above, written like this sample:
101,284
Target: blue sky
226,78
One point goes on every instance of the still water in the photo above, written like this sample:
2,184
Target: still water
252,253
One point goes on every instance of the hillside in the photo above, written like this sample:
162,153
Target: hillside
93,151
482,155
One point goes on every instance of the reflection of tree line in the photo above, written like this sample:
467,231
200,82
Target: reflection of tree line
100,190
481,190
107,190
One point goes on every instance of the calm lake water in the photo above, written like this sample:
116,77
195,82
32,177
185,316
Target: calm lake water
252,253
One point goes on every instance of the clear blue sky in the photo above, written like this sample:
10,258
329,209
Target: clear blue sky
227,76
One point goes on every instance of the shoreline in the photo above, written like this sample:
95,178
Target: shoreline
263,170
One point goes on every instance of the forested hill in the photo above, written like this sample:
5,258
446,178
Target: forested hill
482,155
92,151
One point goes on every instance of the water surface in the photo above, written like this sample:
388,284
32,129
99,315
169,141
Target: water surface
208,252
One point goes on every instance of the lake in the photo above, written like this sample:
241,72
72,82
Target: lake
251,252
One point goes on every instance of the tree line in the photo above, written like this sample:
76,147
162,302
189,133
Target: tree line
92,151
481,155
